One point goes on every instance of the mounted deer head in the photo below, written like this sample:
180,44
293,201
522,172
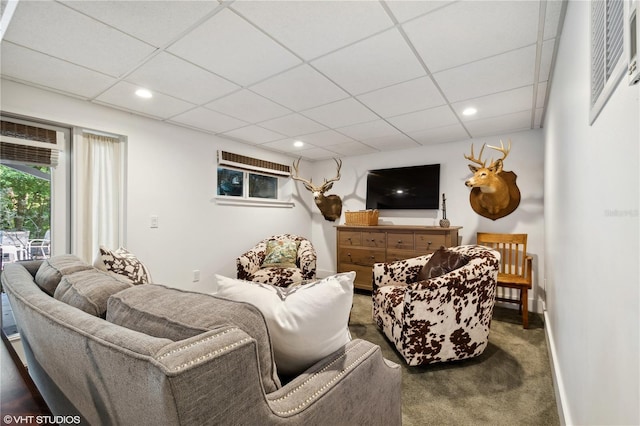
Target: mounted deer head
495,193
329,205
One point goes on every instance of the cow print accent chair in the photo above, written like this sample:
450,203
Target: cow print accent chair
251,268
439,319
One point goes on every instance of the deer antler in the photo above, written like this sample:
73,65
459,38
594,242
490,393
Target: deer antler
337,178
505,152
474,160
296,176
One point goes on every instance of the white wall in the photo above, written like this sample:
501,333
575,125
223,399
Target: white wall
171,174
592,238
525,159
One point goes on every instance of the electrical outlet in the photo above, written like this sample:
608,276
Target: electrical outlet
153,223
196,275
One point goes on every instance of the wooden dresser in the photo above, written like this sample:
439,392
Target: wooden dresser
359,247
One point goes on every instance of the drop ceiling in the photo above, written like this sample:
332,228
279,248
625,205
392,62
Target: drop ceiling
343,77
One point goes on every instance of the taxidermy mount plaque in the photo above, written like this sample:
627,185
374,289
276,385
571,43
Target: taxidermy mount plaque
494,192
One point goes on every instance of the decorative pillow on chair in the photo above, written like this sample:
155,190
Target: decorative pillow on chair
123,263
280,254
441,262
306,322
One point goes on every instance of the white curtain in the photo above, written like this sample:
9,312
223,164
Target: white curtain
98,205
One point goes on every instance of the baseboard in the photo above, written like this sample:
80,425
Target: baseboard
558,385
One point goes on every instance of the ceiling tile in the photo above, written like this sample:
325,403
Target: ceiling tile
497,125
361,68
404,10
467,31
122,96
248,106
325,138
390,143
34,67
195,85
208,120
369,130
300,88
169,18
341,113
538,118
426,119
254,134
286,145
293,125
542,95
352,148
495,74
443,134
314,28
107,50
401,98
316,154
502,103
552,18
545,59
231,47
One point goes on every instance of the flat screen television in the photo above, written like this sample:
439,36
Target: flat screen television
416,187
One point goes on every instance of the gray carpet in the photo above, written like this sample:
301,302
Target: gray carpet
509,384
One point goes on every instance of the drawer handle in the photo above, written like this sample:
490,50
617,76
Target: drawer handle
399,241
372,257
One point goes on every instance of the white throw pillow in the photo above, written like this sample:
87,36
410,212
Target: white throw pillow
306,322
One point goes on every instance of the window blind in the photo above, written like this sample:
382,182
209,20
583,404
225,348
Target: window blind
21,143
249,163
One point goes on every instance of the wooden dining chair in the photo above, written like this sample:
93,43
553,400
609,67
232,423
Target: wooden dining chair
515,266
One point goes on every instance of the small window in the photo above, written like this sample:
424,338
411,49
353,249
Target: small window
243,184
607,47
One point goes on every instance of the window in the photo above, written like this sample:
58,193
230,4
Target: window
34,188
243,180
607,47
237,183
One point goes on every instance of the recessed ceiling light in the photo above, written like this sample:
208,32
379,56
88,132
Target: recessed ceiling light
298,144
144,93
469,111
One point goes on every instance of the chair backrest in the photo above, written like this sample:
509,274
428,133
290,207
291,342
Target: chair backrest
512,248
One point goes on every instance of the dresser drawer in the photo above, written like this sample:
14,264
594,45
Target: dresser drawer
364,275
426,243
350,238
400,241
395,255
374,239
361,256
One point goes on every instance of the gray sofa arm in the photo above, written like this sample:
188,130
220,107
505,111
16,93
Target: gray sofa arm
334,391
344,388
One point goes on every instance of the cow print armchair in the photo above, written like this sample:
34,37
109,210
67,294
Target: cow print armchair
279,260
443,318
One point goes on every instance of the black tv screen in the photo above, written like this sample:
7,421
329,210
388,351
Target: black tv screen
416,187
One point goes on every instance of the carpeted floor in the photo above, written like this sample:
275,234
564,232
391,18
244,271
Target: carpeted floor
509,384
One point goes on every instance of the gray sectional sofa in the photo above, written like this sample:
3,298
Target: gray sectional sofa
117,354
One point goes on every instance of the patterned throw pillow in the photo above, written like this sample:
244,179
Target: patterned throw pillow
280,254
441,262
124,264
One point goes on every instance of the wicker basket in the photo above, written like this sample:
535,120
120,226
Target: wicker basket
362,217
